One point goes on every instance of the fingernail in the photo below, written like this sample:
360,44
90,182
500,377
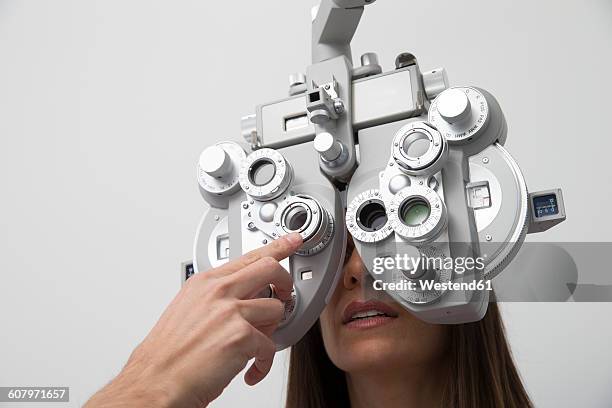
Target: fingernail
295,238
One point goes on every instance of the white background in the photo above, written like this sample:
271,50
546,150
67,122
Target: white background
105,106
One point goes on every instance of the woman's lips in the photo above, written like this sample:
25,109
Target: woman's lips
365,315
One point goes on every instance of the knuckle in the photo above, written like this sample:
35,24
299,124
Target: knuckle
243,333
250,257
288,247
282,245
229,309
220,288
240,335
270,262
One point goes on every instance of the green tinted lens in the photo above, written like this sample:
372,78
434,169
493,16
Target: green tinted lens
415,212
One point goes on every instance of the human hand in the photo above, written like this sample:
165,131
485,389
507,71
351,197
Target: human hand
208,334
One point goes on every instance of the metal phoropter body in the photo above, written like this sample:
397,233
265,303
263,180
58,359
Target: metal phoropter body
398,159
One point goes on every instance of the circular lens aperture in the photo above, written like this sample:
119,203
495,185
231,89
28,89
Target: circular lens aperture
262,172
416,145
265,174
419,149
414,212
367,218
304,214
297,218
372,216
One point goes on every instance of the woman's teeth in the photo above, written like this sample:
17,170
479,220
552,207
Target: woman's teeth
365,315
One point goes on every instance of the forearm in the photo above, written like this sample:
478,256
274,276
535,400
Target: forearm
131,389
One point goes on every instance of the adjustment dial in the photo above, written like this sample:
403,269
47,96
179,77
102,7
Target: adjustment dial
265,175
421,295
218,168
460,114
419,149
418,214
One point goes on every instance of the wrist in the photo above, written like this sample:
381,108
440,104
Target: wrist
133,387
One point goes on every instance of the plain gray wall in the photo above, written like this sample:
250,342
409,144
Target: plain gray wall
106,105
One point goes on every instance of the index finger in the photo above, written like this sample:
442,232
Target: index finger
278,249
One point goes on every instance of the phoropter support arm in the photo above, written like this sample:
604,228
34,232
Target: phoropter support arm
333,27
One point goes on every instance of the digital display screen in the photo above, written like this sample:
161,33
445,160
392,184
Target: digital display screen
546,205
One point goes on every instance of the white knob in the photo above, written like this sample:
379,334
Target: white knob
215,162
327,146
454,105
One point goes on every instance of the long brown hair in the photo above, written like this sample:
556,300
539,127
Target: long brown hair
482,370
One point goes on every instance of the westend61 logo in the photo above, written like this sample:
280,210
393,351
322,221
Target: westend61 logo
412,264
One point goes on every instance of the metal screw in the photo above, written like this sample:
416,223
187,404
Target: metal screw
251,226
339,106
245,205
265,241
217,218
485,160
489,238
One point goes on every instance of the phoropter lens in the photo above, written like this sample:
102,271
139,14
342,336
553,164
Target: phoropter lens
297,218
304,214
416,145
372,216
262,172
414,212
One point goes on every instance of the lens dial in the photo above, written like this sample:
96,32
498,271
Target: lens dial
366,217
428,272
419,149
218,168
290,308
304,215
418,214
265,174
460,114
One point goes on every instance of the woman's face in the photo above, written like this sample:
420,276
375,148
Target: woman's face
365,329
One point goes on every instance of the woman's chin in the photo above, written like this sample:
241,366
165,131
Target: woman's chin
361,350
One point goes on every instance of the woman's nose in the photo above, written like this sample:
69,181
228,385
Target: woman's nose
353,271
